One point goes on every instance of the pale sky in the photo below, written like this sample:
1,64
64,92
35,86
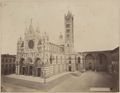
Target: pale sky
96,22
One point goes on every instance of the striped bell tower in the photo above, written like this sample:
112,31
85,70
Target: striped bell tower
69,33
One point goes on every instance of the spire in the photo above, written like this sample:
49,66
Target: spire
61,36
31,26
20,38
61,39
44,34
45,37
26,29
37,29
68,15
69,12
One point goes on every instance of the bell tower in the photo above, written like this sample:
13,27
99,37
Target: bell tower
69,33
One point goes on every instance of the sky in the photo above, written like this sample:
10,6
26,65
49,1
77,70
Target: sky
96,22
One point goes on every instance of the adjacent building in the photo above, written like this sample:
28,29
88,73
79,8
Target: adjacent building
115,60
8,64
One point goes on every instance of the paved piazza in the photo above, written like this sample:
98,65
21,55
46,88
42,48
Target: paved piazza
76,82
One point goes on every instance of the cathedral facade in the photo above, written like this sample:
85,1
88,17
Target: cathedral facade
37,56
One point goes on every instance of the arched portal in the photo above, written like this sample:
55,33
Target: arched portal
78,64
89,62
78,59
69,64
29,68
70,69
21,63
102,62
37,61
38,64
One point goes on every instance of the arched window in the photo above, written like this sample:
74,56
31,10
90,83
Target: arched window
69,60
56,59
50,59
67,25
67,45
68,30
78,59
68,35
102,59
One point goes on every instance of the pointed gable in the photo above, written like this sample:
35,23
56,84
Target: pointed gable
22,45
40,42
31,29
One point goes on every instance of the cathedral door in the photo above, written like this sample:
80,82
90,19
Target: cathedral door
30,70
39,72
70,68
24,72
90,66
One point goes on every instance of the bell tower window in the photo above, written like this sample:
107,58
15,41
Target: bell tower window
67,45
68,30
67,25
68,36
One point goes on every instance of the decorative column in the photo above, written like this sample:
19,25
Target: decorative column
83,60
95,63
27,70
17,69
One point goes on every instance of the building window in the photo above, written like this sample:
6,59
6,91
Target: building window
10,60
68,30
2,60
61,59
10,65
51,59
56,59
40,42
78,59
67,25
68,35
6,60
69,61
13,68
67,45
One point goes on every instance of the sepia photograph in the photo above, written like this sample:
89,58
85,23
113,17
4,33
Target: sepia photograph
60,45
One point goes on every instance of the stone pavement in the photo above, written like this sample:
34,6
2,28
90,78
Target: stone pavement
71,82
37,79
15,84
8,87
86,82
